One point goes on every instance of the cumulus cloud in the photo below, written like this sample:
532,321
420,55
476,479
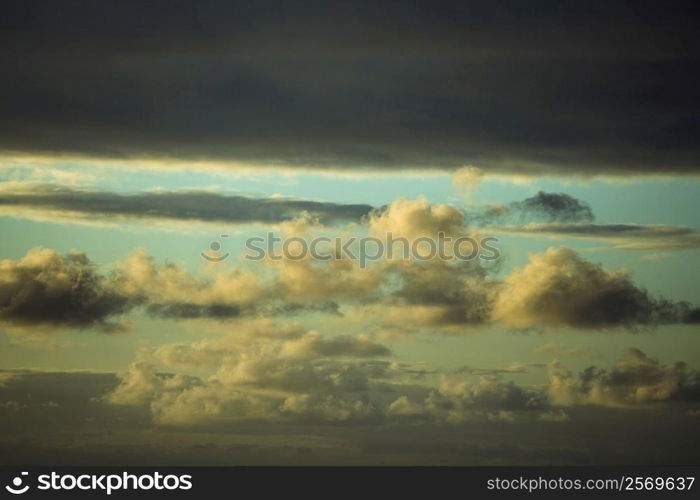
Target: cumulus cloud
338,279
560,288
636,380
557,288
257,382
272,376
170,291
50,416
46,289
278,388
214,351
141,384
272,372
443,293
253,381
488,393
412,219
289,374
432,292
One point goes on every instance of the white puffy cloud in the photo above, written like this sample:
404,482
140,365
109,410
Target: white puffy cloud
561,288
412,219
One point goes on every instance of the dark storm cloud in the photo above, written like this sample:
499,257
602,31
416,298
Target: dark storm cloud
48,290
591,87
190,205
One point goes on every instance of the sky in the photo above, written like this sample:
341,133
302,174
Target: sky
145,144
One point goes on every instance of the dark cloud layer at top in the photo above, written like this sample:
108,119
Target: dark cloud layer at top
594,87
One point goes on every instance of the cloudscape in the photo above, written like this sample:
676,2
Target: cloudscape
366,233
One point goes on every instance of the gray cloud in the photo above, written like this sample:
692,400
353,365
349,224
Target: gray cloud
274,374
545,88
513,368
301,379
346,345
553,207
542,207
45,289
222,311
60,417
178,206
307,379
546,214
622,236
437,293
557,288
635,380
182,310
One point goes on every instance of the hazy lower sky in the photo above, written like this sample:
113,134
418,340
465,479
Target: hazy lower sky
141,141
